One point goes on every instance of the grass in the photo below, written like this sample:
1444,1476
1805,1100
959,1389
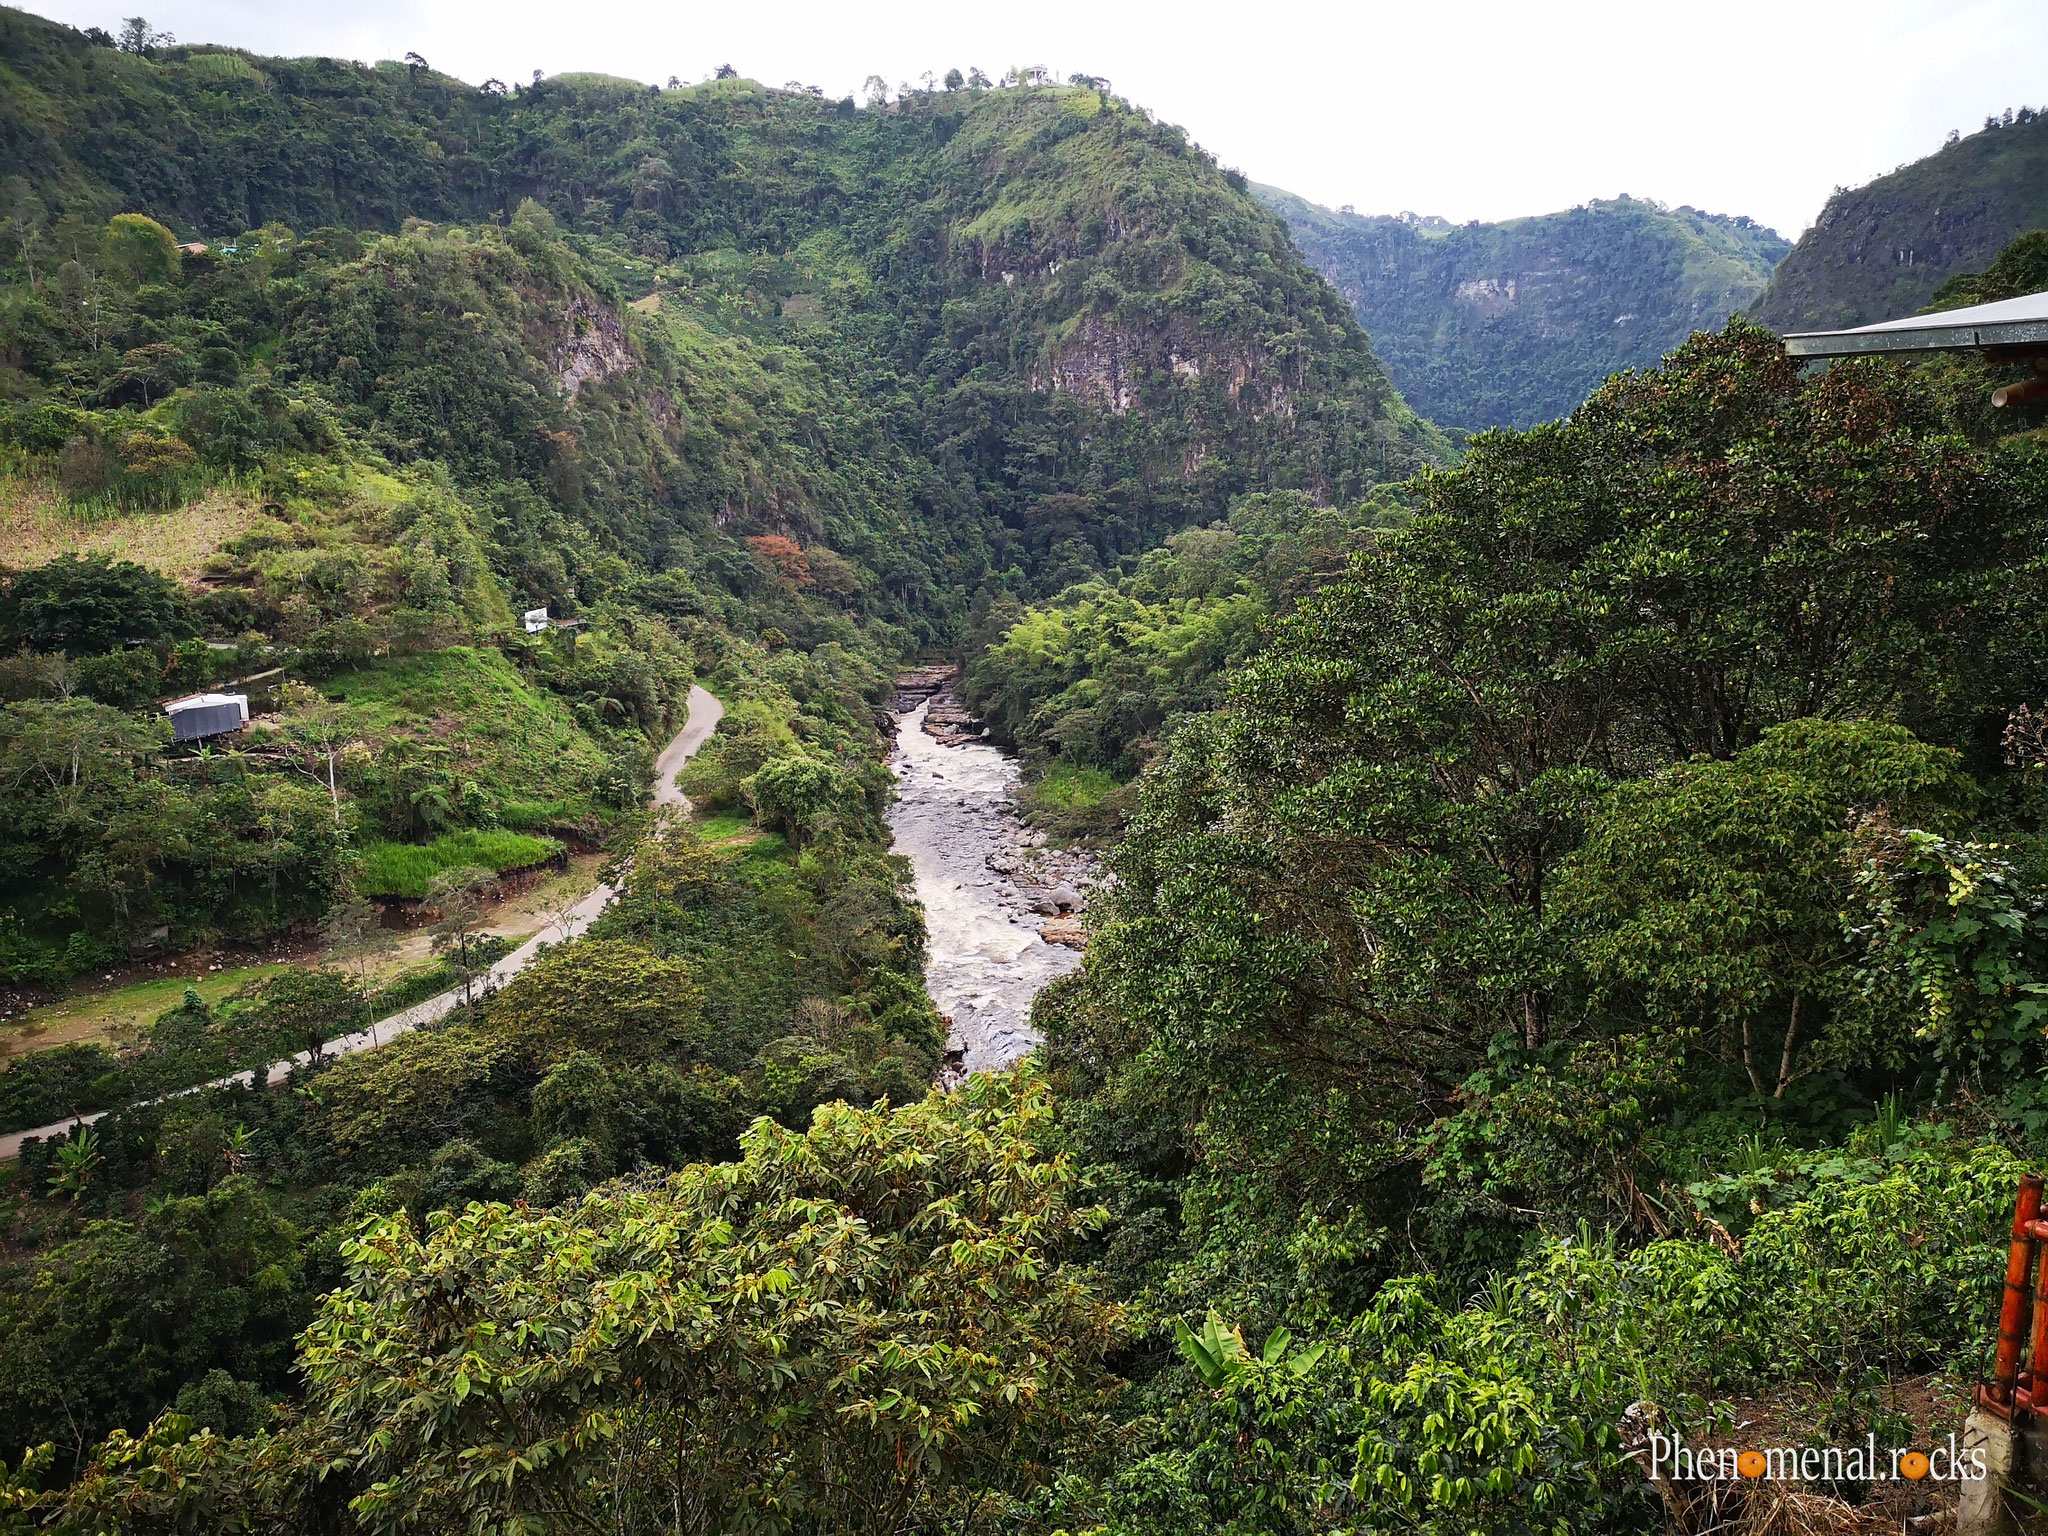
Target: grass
407,869
1070,787
117,1015
514,739
534,815
36,526
724,829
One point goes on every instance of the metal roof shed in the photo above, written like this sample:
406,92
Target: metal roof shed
2020,324
207,714
2009,330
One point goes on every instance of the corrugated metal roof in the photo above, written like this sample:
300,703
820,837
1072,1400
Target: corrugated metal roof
2017,322
205,700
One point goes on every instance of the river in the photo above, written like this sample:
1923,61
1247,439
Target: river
986,958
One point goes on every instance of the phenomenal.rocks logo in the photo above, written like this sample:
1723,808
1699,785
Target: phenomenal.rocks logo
1671,1457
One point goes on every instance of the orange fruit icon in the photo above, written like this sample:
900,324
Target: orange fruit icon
1913,1465
1750,1463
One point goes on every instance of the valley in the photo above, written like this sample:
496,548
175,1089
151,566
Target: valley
923,816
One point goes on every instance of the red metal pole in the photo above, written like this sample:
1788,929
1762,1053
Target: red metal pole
2013,1315
2033,1377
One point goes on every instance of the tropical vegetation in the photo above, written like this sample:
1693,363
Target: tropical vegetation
1575,956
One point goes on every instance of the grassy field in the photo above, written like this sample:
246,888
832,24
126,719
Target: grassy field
518,742
36,527
115,1014
723,829
407,869
1069,787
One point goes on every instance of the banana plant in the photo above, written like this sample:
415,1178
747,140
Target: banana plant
1220,1358
77,1161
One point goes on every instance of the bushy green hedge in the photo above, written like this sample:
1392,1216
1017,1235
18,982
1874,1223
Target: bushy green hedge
407,869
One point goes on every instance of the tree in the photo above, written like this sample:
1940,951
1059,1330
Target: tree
78,1161
141,250
876,1321
27,225
1711,894
955,80
420,788
137,37
104,1328
316,731
298,1008
1337,900
85,604
457,897
1958,929
601,995
876,89
726,72
784,556
793,795
64,753
353,933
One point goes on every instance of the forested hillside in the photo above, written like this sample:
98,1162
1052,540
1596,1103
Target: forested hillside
1880,250
313,376
1562,955
1509,324
1574,966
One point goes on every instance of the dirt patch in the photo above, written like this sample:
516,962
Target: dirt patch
36,527
1934,1407
405,912
111,1006
114,1005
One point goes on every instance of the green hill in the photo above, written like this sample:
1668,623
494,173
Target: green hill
720,372
1880,250
971,273
1509,324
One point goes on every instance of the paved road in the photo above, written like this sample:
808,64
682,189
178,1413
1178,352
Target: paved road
705,713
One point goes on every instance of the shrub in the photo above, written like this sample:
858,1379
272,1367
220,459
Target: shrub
47,1086
86,604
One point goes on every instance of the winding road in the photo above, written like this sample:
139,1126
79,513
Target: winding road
705,713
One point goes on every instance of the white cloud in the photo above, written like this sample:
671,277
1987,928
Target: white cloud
1486,109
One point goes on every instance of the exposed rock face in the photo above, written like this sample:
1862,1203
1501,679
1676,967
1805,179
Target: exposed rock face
1111,366
1488,296
595,349
920,683
948,721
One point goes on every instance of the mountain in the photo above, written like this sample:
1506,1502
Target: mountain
757,366
313,375
1042,292
1880,250
1509,324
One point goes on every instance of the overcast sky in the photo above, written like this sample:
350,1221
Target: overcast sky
1483,109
